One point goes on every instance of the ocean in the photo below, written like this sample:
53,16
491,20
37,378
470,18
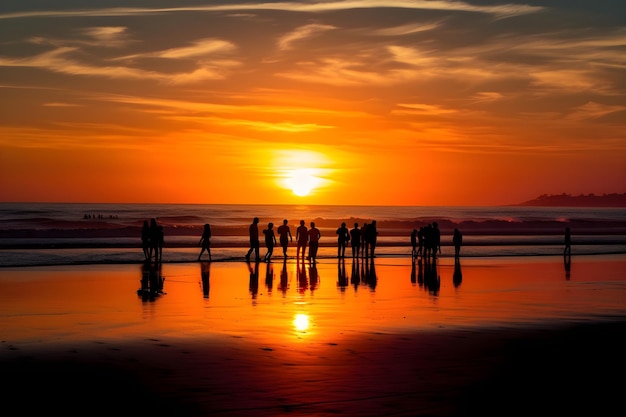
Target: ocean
34,234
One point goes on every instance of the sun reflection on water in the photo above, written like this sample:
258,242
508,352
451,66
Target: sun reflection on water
301,322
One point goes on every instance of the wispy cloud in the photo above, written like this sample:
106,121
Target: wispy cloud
504,10
286,41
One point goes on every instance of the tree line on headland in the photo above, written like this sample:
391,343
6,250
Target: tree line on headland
581,200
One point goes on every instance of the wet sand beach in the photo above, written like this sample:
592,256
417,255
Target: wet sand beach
510,336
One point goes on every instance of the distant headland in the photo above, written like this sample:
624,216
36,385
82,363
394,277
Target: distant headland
582,200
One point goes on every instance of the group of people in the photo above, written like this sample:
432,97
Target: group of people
152,239
363,241
426,242
304,237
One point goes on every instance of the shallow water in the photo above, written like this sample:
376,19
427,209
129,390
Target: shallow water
285,303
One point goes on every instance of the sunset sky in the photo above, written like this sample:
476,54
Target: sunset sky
407,102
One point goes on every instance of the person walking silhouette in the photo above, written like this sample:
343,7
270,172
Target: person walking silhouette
302,238
457,241
284,233
343,237
270,241
355,238
205,241
314,240
253,231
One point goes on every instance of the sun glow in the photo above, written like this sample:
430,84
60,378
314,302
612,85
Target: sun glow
304,172
303,181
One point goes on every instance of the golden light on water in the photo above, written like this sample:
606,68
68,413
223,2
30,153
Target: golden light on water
301,322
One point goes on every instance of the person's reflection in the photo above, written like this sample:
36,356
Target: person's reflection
567,262
355,277
457,276
303,283
413,270
151,281
372,279
420,272
431,277
313,276
369,273
284,278
254,278
269,277
205,275
342,277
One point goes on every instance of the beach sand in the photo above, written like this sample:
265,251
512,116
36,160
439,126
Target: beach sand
514,337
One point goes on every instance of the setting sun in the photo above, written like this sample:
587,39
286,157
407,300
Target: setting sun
302,182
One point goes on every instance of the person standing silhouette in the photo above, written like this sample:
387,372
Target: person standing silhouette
253,231
568,242
457,240
284,233
270,241
154,240
205,241
314,241
145,240
302,238
343,237
371,236
414,243
355,238
436,243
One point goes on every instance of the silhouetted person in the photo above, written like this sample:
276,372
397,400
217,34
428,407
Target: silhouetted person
371,236
568,242
145,240
436,239
364,242
255,244
160,241
420,241
355,238
205,275
314,242
302,239
343,237
457,276
205,241
457,241
414,243
154,239
270,241
284,233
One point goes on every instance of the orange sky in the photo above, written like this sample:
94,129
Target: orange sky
382,102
